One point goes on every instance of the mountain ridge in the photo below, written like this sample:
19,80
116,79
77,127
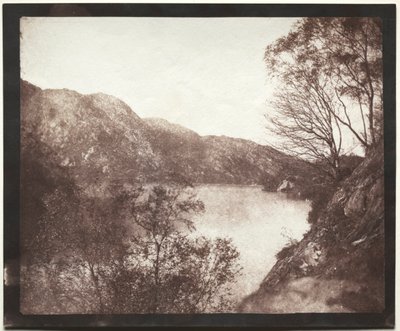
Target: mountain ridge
101,139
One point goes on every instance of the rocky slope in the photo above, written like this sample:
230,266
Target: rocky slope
339,265
215,159
100,140
97,137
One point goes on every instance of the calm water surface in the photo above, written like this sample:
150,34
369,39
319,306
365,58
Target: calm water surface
258,222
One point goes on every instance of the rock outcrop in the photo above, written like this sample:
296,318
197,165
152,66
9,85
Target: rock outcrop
286,186
339,264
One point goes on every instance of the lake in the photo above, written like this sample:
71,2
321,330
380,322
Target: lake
259,224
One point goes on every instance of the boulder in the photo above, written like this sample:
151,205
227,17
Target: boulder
355,206
285,186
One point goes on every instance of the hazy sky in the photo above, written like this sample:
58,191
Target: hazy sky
206,74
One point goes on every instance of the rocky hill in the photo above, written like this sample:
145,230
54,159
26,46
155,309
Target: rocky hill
339,265
100,140
97,137
215,159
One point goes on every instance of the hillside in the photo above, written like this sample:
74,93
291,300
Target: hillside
339,265
96,137
100,140
215,159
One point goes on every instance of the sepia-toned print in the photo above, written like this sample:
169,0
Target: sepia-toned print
201,165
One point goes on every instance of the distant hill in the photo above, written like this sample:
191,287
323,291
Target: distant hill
214,159
100,139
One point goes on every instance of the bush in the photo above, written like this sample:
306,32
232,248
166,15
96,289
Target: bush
286,251
347,165
129,253
270,183
321,195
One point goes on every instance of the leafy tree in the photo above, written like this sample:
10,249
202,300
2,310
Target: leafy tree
100,248
49,204
109,264
354,54
195,276
188,275
346,55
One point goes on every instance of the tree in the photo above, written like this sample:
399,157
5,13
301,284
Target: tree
49,205
157,216
347,54
96,260
354,54
72,245
188,274
305,115
77,277
100,250
195,276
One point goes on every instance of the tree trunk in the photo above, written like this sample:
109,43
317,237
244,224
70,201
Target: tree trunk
95,279
156,278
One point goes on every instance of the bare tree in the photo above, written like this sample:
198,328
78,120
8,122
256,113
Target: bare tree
305,116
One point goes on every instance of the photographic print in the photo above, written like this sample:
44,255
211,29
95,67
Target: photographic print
204,166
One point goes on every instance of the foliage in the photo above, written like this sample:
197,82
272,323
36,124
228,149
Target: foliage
48,199
192,277
331,75
127,251
270,183
304,117
289,248
348,164
187,275
320,197
286,251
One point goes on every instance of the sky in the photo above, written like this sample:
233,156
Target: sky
206,74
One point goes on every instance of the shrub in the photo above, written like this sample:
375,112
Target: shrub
347,165
270,183
321,195
287,251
